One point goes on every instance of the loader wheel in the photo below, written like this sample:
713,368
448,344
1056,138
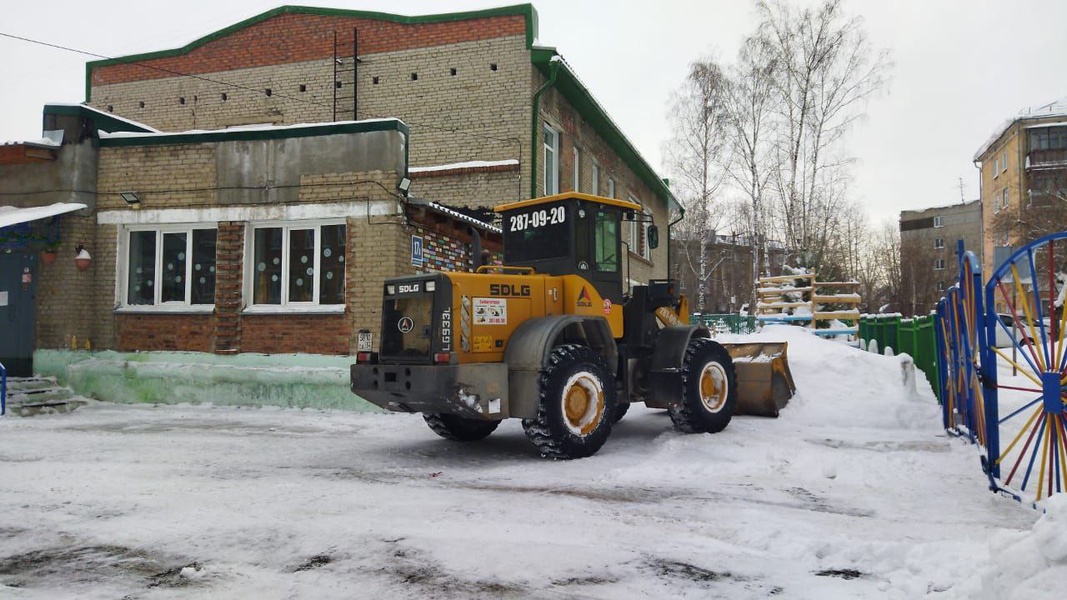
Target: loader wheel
460,429
709,389
574,415
620,411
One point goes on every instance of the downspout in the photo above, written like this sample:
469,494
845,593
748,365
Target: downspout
681,215
535,119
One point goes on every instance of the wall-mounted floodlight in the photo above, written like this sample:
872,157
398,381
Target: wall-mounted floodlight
404,185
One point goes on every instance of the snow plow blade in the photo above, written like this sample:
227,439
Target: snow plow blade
764,382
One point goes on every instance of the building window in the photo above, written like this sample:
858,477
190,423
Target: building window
551,182
577,169
940,286
172,266
1048,138
595,173
298,264
939,243
1003,161
996,167
1004,198
939,221
611,188
939,264
639,232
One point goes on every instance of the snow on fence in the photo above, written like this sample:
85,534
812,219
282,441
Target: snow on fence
1002,359
882,333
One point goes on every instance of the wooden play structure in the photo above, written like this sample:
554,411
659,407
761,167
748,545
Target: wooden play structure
827,308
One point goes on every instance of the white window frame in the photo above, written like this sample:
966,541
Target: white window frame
939,243
122,285
996,167
550,155
639,232
939,264
577,169
595,174
611,187
1004,161
939,221
285,306
940,286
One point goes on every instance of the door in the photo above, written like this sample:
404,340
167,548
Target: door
18,312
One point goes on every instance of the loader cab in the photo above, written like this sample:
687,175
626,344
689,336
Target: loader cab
570,234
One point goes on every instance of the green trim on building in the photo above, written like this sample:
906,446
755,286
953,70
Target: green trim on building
568,84
524,10
273,133
101,120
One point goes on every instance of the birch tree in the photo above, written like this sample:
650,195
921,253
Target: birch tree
825,70
694,156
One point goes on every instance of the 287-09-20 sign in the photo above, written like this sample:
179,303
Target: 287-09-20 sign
537,218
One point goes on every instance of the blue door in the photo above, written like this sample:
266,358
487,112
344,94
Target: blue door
18,312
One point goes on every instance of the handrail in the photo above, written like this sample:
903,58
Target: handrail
3,389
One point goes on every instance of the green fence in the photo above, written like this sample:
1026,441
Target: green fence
725,323
914,337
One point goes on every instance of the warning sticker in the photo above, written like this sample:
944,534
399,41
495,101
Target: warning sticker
483,343
490,311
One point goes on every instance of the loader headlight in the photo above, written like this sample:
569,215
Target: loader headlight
431,286
390,289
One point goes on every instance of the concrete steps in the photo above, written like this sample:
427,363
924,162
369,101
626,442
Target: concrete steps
29,396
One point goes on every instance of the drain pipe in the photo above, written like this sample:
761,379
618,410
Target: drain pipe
535,121
476,248
681,215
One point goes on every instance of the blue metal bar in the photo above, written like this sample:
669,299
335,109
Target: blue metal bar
3,389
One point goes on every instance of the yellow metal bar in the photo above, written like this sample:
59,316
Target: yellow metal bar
1061,435
1022,369
1025,428
1029,318
1044,457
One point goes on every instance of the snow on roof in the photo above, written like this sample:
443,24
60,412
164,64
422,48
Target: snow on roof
1056,108
470,164
465,218
264,127
39,142
103,113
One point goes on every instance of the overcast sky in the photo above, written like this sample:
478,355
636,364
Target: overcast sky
961,68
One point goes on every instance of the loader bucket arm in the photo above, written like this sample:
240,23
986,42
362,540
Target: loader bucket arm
764,382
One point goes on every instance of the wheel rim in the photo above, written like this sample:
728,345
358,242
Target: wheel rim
713,387
583,403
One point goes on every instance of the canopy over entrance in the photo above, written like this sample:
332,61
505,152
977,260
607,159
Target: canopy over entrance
11,215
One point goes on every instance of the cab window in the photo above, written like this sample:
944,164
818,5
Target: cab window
607,241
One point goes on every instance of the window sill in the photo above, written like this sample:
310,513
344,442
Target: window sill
332,309
640,258
163,309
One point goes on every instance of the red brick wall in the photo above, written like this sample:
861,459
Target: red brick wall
291,38
288,333
194,333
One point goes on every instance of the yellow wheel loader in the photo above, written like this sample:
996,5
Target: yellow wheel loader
551,338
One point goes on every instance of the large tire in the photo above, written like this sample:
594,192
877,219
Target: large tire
452,427
577,404
709,389
620,411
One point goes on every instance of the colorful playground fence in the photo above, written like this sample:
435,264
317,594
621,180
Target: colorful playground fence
1002,360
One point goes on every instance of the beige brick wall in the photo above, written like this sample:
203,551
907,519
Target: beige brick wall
558,113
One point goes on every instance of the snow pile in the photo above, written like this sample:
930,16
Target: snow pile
1030,564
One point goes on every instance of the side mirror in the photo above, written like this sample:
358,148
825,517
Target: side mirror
653,237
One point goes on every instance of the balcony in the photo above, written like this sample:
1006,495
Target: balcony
1046,159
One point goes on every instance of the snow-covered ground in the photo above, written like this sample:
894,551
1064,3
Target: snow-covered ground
855,492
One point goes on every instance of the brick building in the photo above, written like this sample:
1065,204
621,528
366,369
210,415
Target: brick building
246,189
1024,179
928,241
